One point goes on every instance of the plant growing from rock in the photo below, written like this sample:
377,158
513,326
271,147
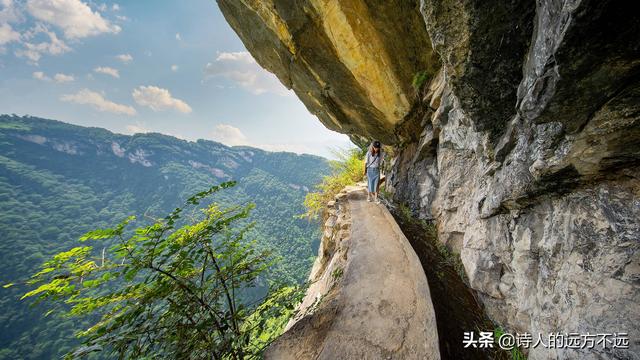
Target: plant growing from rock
420,79
347,170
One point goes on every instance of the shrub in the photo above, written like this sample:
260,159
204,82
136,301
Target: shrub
419,79
163,291
347,170
515,353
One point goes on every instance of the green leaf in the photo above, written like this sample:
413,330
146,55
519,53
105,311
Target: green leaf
107,233
129,275
90,283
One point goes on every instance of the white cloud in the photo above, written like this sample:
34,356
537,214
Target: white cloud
9,12
34,52
63,78
179,136
108,71
39,75
125,58
178,37
242,69
159,99
294,148
59,77
115,7
136,129
7,34
232,136
88,97
229,135
174,68
74,17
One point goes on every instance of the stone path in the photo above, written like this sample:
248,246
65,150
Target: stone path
370,298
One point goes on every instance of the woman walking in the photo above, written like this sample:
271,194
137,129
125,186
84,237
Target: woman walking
372,170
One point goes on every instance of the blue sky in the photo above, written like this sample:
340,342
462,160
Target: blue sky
174,67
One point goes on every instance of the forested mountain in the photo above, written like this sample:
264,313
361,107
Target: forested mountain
58,181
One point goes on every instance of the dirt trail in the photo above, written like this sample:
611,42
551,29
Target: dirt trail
379,307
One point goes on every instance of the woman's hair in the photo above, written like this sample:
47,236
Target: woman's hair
373,146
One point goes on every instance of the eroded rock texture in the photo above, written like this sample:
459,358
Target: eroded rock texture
350,62
537,188
523,147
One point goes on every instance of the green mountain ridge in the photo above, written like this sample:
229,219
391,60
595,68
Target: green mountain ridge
58,181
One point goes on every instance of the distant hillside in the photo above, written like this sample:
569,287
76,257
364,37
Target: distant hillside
59,180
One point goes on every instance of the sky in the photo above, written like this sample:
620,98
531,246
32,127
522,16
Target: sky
174,67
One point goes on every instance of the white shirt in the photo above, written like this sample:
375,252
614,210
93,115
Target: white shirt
373,161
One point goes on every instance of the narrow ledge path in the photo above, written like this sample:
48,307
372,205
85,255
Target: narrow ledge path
369,297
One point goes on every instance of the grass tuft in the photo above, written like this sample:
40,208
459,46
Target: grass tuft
420,79
347,170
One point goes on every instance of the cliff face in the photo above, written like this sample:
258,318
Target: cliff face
350,62
523,146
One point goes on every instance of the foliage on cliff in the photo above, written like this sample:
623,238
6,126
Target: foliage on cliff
166,291
419,79
347,170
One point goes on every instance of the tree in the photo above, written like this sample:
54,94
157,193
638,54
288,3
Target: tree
164,290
